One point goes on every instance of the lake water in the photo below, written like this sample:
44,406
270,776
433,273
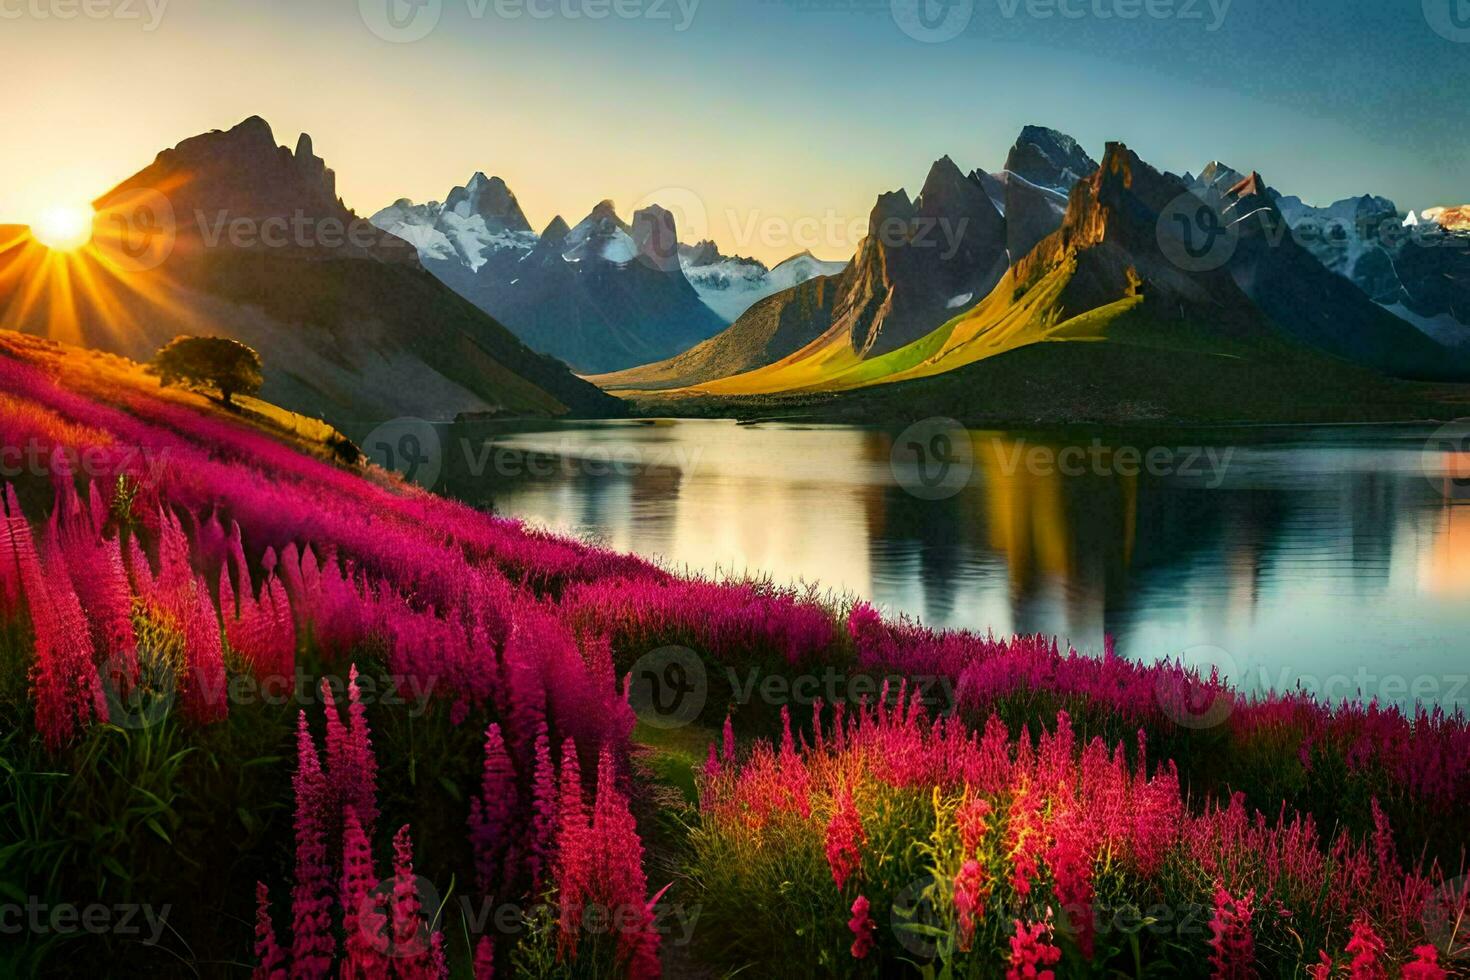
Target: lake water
1335,559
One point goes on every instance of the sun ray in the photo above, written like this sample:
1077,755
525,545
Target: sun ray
64,228
105,286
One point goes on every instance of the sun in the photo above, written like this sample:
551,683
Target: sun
64,227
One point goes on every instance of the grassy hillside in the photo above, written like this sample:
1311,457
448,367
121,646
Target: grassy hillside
1107,383
768,331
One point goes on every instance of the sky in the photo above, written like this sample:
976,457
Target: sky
768,125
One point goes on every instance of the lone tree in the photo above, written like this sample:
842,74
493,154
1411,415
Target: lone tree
210,362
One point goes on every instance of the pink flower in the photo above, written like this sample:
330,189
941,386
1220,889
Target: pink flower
335,761
862,926
1232,944
363,921
1070,860
270,959
601,862
618,852
1032,952
360,780
64,682
492,811
204,695
845,839
543,815
10,583
863,620
484,959
312,945
971,818
1425,965
96,568
971,888
788,744
573,861
1024,837
412,941
1366,950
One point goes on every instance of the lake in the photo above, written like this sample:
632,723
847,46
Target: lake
1335,559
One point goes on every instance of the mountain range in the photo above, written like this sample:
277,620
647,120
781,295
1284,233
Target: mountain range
1054,287
923,261
1416,267
1047,258
602,294
229,234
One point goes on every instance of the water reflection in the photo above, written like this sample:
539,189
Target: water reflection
1327,559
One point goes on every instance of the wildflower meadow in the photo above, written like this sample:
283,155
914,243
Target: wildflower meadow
310,721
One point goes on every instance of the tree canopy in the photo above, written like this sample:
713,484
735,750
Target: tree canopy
224,365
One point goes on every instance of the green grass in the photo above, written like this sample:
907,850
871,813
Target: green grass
676,755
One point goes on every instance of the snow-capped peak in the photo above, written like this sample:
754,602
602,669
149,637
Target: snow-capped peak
601,235
730,285
476,220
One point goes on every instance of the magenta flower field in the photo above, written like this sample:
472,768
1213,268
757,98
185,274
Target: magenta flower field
339,727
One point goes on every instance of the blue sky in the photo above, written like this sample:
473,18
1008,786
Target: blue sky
765,119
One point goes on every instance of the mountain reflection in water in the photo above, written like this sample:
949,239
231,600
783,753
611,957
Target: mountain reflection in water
1334,559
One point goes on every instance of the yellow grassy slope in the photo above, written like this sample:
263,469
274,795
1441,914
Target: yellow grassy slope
1003,321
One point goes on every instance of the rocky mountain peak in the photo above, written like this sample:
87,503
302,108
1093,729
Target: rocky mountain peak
960,205
703,252
948,192
1215,181
1252,186
1049,158
604,210
313,168
251,130
556,230
1121,202
602,235
890,207
242,174
656,237
943,173
1250,207
490,199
